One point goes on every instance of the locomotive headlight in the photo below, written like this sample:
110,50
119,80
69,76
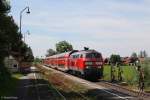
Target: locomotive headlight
88,63
87,67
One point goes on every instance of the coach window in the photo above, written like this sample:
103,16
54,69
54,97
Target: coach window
74,56
78,56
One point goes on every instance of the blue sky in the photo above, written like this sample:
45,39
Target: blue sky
108,26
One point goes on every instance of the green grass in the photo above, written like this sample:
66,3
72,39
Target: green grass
7,88
106,72
17,75
129,74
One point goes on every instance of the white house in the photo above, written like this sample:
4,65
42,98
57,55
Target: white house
11,64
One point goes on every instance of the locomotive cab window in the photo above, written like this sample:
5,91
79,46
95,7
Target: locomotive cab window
93,55
75,56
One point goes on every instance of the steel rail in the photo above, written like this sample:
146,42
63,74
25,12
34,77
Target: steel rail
48,68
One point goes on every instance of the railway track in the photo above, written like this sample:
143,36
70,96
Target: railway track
124,90
39,84
117,90
61,94
63,97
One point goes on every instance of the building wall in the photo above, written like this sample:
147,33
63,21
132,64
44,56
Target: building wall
11,64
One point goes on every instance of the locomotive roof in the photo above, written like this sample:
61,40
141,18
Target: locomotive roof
86,51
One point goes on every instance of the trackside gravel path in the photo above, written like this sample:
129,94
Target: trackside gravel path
34,87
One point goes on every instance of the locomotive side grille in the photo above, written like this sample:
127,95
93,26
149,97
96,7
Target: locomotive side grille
88,63
93,63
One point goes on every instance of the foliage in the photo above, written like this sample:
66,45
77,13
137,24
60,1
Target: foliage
63,46
50,52
4,75
10,41
7,89
106,72
130,74
143,54
37,60
115,59
10,38
4,6
146,67
28,55
134,55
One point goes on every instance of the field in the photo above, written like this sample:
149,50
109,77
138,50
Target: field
130,76
129,73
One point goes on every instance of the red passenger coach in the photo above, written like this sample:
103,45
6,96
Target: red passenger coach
88,63
59,61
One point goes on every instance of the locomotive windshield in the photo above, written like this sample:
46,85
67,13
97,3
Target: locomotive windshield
93,55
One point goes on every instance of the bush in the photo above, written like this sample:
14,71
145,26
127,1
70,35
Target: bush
146,67
4,74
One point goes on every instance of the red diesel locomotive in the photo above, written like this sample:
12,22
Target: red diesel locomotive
88,63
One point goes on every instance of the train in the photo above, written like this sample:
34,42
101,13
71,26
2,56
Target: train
86,63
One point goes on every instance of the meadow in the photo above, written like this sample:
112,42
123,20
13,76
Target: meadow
130,75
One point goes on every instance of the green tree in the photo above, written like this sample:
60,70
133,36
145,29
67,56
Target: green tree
50,52
146,67
134,54
10,40
4,7
143,54
115,59
4,46
37,60
63,46
28,55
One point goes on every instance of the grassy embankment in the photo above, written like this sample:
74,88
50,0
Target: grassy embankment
7,88
71,90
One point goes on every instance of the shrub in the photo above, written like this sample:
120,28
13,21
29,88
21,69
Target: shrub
146,67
